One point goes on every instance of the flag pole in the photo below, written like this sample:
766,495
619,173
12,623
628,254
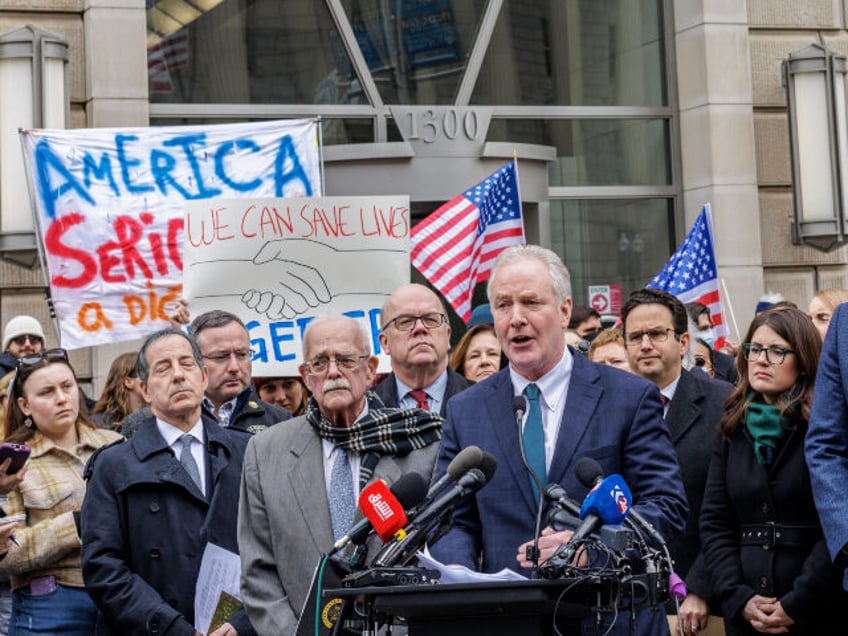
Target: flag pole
730,307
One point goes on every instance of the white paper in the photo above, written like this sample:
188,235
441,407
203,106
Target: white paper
461,574
220,571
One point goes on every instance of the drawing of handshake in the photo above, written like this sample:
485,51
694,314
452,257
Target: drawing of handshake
297,287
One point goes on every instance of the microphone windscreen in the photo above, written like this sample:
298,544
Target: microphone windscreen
410,489
588,471
382,509
487,465
609,500
466,459
519,404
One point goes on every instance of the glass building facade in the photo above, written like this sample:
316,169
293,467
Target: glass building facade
588,78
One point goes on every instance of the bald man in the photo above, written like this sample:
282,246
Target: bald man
415,334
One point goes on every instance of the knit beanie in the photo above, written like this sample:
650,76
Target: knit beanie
21,326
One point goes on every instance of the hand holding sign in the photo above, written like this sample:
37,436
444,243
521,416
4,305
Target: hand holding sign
300,287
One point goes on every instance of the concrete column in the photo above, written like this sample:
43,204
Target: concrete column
717,140
115,34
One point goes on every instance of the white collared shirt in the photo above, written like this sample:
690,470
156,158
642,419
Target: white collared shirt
329,451
553,390
435,393
669,391
171,434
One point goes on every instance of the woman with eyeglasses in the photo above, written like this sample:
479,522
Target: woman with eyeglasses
760,530
48,593
121,395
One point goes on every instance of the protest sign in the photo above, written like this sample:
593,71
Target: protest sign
279,263
110,205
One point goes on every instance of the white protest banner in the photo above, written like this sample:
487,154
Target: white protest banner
279,263
110,205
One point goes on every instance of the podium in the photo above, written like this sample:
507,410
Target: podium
503,608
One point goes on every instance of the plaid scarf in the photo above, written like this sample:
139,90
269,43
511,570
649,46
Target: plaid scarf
382,431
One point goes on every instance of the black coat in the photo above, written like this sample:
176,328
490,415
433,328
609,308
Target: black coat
693,418
252,415
8,363
740,491
387,389
145,525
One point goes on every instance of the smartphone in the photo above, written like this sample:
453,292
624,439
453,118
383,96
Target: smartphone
12,518
19,454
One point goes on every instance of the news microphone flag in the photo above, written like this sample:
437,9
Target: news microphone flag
691,273
455,246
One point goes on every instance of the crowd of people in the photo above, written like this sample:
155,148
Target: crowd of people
737,457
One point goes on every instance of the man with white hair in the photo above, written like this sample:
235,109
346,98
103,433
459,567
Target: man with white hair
302,479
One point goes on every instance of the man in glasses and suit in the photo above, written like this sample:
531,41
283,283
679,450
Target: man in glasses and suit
230,396
23,336
656,337
416,336
302,479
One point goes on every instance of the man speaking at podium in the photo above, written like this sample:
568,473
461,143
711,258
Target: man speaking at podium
302,478
574,408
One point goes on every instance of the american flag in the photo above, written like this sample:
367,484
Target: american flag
455,246
691,273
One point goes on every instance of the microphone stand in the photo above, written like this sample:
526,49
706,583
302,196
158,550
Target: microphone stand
518,407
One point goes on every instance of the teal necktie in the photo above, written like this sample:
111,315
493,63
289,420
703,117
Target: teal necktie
534,437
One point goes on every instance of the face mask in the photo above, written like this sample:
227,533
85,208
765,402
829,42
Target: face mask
707,336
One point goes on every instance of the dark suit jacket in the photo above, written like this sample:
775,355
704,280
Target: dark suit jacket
827,439
145,525
693,417
610,415
387,389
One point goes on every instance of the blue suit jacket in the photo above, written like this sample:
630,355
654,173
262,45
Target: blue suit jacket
610,415
827,436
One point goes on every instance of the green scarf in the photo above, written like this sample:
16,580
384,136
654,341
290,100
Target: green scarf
764,423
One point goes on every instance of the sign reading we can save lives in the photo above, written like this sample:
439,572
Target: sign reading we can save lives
110,205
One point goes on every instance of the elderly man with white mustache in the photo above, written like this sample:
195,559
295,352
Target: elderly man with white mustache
302,479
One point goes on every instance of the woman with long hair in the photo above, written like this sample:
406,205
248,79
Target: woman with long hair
287,391
121,395
478,353
48,593
760,530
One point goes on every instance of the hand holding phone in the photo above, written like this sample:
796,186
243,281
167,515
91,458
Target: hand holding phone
18,453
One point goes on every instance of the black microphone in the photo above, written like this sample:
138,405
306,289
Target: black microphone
402,548
519,407
557,495
409,490
469,457
488,465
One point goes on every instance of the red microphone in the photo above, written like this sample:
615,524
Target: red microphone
382,509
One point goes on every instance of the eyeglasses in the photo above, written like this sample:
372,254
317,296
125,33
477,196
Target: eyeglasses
22,340
50,355
242,355
347,361
774,355
634,338
406,322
